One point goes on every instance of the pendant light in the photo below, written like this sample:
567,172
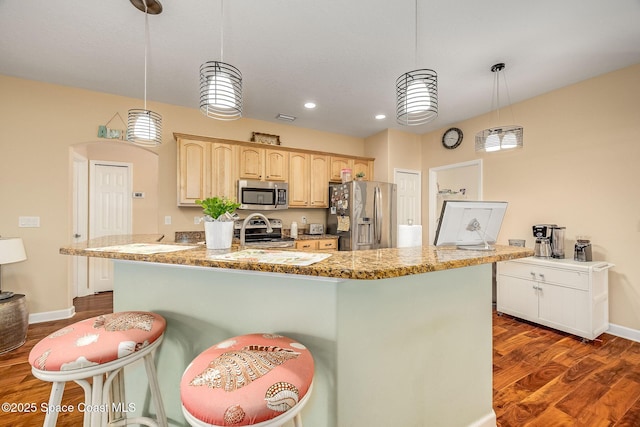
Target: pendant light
220,85
417,92
500,137
144,127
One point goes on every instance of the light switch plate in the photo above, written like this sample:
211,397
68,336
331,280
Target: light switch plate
29,221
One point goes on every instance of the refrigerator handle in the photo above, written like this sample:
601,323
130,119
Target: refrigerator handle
377,214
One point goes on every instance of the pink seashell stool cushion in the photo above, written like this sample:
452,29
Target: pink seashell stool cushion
246,380
97,340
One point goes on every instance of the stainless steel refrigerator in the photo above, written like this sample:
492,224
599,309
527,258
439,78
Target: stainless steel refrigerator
363,215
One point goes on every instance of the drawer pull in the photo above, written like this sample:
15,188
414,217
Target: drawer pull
542,276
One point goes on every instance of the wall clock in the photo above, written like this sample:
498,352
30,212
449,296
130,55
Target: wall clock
452,138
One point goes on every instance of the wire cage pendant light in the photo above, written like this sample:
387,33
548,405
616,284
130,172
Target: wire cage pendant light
500,137
417,92
417,97
220,85
144,127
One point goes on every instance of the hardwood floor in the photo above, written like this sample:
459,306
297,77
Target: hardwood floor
542,377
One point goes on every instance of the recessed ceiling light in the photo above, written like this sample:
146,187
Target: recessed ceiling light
309,105
285,117
380,116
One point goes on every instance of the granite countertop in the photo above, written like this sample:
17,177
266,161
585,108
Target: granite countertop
198,236
367,264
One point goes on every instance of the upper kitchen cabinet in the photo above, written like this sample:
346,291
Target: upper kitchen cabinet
299,180
205,169
192,170
308,180
263,164
363,166
336,164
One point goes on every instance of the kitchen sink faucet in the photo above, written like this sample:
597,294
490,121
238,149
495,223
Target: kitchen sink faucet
246,221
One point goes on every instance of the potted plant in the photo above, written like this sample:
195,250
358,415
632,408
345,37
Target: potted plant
360,176
218,221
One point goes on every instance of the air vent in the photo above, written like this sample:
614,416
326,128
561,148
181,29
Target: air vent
285,117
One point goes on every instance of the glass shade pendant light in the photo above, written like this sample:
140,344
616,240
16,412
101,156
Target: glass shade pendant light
220,85
501,137
417,92
144,127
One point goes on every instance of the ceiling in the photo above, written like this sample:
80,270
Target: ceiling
343,55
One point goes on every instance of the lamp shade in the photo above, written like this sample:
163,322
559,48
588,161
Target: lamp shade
220,91
144,127
417,97
501,138
11,250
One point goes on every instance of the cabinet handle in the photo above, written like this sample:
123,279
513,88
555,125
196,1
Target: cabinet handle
542,276
533,275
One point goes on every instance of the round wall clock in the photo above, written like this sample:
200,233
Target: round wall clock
452,138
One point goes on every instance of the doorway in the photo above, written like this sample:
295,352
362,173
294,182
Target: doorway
455,181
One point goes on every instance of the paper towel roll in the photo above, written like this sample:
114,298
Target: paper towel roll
409,236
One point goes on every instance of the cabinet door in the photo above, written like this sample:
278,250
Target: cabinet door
364,166
193,171
308,245
251,159
336,166
224,175
276,165
299,181
319,181
565,308
328,244
517,297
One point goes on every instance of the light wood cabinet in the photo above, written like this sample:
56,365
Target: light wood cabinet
205,169
319,181
316,244
562,294
193,170
263,164
308,180
299,180
336,164
212,166
364,166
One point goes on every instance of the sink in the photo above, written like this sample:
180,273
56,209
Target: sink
271,244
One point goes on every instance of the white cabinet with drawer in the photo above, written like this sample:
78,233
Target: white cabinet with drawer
562,294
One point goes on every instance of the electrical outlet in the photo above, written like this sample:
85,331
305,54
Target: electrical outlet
167,220
197,219
304,219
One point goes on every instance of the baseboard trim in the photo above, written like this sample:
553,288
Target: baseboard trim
488,420
48,316
624,332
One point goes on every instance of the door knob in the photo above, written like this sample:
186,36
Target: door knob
77,236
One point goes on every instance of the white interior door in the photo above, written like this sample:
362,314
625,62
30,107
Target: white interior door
80,226
110,214
409,197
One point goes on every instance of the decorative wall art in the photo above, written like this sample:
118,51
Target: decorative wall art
104,131
264,138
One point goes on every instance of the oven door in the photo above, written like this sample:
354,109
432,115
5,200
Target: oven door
265,196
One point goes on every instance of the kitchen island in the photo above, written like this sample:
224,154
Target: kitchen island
400,337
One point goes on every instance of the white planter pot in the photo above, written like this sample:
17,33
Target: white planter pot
218,234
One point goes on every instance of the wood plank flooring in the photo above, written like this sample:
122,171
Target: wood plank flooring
541,377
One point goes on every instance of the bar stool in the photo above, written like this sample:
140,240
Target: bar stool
249,380
97,349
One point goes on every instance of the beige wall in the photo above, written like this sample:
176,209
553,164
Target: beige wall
579,168
40,122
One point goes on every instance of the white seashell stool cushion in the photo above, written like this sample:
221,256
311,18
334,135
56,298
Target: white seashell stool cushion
97,340
246,380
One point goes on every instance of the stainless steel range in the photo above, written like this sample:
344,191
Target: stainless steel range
256,233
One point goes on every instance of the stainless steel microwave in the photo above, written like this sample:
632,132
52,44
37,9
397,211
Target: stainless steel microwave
263,195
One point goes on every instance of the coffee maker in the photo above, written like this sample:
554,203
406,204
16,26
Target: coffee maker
542,233
549,241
